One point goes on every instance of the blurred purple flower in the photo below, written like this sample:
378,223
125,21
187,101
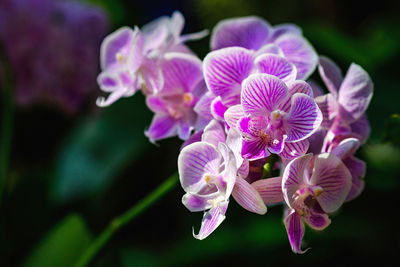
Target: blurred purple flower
52,47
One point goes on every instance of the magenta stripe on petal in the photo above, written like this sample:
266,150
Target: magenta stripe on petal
277,66
248,197
303,119
262,93
211,220
270,189
225,69
295,230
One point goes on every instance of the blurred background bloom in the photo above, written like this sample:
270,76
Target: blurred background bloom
53,49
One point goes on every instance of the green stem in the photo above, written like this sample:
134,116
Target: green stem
120,221
7,122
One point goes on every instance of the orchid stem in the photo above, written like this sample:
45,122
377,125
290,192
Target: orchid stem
120,221
7,122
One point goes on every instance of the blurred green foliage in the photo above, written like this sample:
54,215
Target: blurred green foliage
102,163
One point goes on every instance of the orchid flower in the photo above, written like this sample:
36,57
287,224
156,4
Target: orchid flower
225,70
129,58
173,105
254,33
344,106
313,187
272,114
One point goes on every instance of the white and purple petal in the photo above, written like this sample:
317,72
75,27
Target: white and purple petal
248,197
225,69
262,94
330,74
248,32
277,66
211,220
335,180
295,230
270,189
303,119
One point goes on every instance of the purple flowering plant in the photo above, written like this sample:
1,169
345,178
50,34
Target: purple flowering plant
247,103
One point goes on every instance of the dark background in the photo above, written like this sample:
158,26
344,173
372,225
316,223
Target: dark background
70,174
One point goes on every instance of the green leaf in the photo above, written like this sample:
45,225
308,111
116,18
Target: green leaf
62,245
99,148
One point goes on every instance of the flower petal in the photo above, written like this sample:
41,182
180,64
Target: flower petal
295,230
270,189
293,177
211,220
355,93
162,126
194,161
330,74
293,150
300,52
303,119
248,32
214,133
262,94
218,109
156,104
254,149
285,28
248,197
115,43
334,178
225,69
329,109
346,148
203,106
277,66
233,114
180,71
195,203
295,87
317,221
357,169
362,128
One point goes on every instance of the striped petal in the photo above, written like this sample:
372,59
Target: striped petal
355,93
295,87
211,220
295,230
194,161
214,133
262,94
254,149
293,177
248,197
225,69
300,52
303,119
233,114
270,189
293,150
248,32
357,169
335,180
330,74
277,66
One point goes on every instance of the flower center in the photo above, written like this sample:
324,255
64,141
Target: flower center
305,198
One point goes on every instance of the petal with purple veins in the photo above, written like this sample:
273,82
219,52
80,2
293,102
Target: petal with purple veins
233,114
254,149
355,93
248,32
303,119
300,52
285,28
277,66
214,133
225,69
295,230
262,94
270,189
195,203
294,87
317,221
335,180
357,169
248,197
203,106
330,74
196,160
346,148
293,150
211,220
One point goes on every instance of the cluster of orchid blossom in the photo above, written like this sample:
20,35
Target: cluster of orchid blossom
248,99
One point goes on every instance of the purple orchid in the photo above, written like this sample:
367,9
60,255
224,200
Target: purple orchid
344,106
52,47
130,58
225,70
272,114
254,33
313,187
173,105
